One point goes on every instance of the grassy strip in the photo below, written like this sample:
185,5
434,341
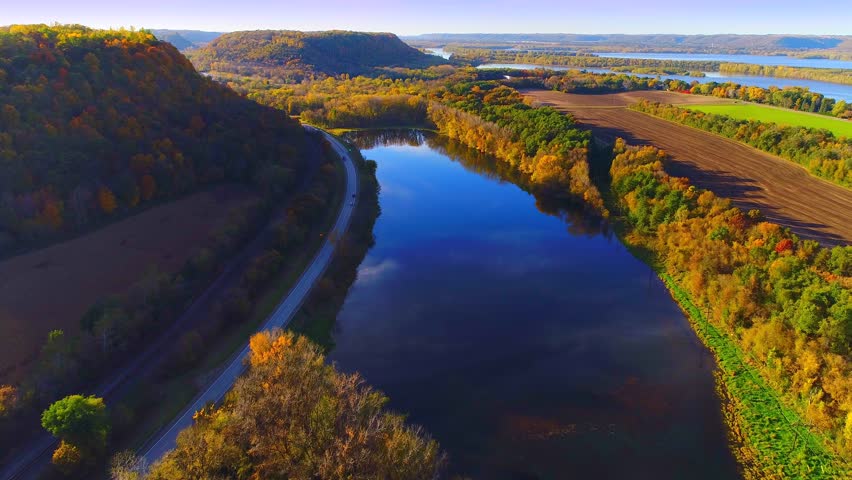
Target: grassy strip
763,113
769,440
782,445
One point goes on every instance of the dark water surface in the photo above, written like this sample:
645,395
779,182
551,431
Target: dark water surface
530,344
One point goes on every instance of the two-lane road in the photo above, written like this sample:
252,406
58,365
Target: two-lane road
32,461
282,315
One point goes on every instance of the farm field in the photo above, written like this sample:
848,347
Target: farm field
785,192
750,111
53,287
621,100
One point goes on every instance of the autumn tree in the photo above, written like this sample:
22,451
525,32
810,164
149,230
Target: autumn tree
8,399
293,416
106,200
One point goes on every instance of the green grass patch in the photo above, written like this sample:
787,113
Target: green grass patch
762,113
783,445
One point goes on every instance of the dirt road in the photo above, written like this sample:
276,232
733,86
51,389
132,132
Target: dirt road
785,192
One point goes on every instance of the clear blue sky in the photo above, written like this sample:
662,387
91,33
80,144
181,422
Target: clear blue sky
455,16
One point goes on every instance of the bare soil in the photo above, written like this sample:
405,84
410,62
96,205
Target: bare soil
618,100
53,287
785,192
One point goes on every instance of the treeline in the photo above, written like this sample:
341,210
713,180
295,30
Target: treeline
572,59
350,102
575,81
542,143
97,123
693,68
585,82
794,98
823,154
575,215
658,71
291,415
834,75
379,111
785,302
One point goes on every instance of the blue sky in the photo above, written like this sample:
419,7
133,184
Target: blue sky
456,16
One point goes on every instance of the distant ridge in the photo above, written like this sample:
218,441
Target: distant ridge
722,43
301,54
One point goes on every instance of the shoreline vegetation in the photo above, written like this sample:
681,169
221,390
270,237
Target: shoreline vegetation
736,259
782,116
692,68
480,56
831,75
792,98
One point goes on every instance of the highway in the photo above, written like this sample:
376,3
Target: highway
31,463
282,315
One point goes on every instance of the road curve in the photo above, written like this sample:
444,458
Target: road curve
282,315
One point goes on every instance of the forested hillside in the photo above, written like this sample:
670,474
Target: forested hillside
96,123
294,55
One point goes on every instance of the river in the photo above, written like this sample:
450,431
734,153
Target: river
830,90
523,336
751,59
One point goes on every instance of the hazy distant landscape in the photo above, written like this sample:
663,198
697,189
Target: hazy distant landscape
291,245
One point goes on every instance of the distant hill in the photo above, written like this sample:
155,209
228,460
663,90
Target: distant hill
725,43
185,39
94,123
310,53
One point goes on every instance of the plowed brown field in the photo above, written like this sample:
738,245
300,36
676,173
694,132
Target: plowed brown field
785,192
53,287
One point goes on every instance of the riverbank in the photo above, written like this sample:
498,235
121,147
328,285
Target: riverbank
764,434
769,438
318,315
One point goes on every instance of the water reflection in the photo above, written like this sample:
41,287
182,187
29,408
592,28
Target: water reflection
575,217
528,352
